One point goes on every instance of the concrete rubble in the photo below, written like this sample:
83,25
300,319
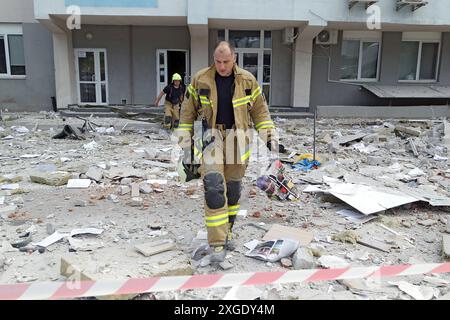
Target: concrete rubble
150,222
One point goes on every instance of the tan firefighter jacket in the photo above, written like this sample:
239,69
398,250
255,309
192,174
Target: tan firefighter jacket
249,106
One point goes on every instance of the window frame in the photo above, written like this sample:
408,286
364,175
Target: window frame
260,51
419,62
360,59
8,74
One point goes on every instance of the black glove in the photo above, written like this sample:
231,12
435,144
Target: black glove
191,169
281,148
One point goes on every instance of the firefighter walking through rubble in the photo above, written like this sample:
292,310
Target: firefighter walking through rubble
220,103
174,97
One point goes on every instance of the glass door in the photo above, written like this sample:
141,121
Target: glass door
91,68
258,63
162,73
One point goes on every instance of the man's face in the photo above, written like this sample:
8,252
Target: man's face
176,82
224,61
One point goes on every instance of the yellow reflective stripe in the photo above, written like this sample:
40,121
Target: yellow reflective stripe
233,210
256,93
258,125
235,105
198,153
185,125
192,91
217,217
183,129
216,224
205,101
269,126
246,155
217,220
241,99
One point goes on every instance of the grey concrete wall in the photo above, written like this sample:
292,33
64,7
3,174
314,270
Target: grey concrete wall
116,40
145,42
444,71
142,67
33,93
325,92
328,90
281,71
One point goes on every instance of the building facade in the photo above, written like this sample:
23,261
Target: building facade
303,53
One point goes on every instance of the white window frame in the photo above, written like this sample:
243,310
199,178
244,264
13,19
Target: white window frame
361,46
260,51
98,91
419,61
8,74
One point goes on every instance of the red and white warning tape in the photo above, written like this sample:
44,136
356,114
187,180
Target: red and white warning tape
78,289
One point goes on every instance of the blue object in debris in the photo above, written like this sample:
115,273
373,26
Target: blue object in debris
306,165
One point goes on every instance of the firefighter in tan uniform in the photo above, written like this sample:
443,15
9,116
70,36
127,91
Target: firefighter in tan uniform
174,97
222,104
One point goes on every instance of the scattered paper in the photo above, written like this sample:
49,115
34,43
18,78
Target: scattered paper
242,213
355,217
2,200
95,231
157,181
439,158
51,239
29,156
363,149
78,183
13,186
202,235
369,200
417,292
251,244
332,262
274,250
91,146
313,188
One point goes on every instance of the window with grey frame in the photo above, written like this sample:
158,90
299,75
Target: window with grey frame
359,59
12,56
253,53
419,60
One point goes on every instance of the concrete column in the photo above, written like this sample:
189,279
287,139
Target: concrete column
199,47
302,66
64,69
64,61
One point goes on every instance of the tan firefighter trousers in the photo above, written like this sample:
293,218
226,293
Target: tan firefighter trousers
171,115
222,175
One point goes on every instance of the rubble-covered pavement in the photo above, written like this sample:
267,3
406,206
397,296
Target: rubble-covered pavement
132,218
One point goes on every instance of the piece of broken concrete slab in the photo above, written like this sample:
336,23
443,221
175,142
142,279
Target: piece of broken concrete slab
56,178
151,248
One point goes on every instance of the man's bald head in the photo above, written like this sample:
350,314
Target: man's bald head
224,58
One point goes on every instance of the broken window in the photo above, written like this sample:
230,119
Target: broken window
359,60
418,60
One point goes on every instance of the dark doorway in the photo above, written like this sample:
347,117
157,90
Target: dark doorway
176,63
